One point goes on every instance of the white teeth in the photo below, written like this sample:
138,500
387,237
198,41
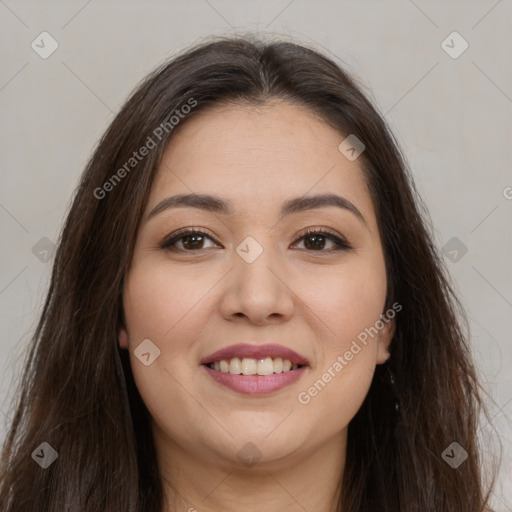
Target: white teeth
235,366
251,366
265,366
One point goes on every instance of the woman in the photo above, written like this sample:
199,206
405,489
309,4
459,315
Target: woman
247,311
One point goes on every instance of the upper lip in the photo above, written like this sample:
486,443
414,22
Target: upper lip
256,352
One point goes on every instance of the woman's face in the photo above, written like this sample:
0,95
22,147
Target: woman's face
255,277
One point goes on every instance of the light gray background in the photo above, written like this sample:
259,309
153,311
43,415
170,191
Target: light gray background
452,117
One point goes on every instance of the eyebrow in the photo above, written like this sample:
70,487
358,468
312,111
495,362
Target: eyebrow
216,204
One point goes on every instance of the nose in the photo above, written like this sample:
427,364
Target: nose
258,291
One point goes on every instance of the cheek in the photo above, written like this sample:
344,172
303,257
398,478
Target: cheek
159,301
346,301
165,306
347,304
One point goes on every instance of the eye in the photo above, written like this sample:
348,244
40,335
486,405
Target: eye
190,240
193,240
315,240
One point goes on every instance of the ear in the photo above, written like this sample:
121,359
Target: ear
123,338
385,336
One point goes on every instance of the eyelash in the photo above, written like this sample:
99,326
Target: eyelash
342,245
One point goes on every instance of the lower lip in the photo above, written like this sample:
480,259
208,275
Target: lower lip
256,384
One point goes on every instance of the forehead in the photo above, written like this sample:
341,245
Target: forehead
258,156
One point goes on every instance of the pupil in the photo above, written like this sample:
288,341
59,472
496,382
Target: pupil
317,241
197,241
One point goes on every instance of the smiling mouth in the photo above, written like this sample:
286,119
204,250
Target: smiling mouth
251,366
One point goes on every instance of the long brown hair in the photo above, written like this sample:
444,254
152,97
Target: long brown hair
77,392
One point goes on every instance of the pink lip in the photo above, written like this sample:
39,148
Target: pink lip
255,384
256,352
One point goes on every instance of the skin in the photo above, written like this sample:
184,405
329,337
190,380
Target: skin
315,301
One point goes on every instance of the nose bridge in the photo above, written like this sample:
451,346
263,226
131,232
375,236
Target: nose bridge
256,288
253,263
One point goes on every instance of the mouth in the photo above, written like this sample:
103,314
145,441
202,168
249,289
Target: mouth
255,369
